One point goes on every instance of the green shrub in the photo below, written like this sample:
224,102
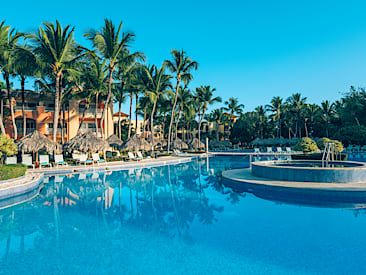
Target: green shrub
322,141
351,135
306,145
7,146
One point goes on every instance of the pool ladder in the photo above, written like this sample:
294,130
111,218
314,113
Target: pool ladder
329,154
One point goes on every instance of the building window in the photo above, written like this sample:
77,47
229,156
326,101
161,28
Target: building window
30,125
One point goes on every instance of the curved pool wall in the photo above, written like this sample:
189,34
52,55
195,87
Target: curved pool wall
355,172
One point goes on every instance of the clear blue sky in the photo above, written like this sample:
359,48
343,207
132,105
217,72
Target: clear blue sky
252,50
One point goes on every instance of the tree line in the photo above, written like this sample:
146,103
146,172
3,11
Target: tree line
110,71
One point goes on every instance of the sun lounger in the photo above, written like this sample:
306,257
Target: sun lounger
269,150
11,160
139,155
83,159
27,161
288,150
131,156
279,150
96,158
44,160
59,160
177,152
256,150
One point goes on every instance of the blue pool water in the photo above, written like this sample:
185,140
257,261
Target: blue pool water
177,219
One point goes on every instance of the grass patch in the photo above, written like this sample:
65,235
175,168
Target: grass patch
12,171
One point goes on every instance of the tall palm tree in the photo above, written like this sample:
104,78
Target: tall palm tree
276,108
327,110
26,66
296,103
109,44
57,50
126,66
234,108
205,97
261,114
158,83
184,102
217,116
181,66
9,43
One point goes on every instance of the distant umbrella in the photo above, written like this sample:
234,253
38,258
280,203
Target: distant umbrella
179,144
135,144
86,142
114,141
196,144
36,141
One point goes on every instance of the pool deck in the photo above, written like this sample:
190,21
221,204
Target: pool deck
245,176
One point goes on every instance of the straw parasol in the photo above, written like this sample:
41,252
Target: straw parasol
36,141
196,144
136,143
86,142
114,141
179,144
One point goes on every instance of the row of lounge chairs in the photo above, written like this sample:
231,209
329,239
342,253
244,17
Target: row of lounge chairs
270,150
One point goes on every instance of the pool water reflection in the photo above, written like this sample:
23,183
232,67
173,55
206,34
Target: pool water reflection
175,219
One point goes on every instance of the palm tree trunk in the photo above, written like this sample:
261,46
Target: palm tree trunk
136,102
23,106
83,116
119,110
152,121
10,98
119,118
110,80
130,122
176,124
57,105
3,132
96,113
172,117
62,124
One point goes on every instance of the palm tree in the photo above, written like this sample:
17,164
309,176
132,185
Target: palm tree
217,116
158,83
126,66
296,103
327,110
9,43
57,51
205,97
311,113
181,65
234,108
276,108
184,101
261,114
26,66
108,43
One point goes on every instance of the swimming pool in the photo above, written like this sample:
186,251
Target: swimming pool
177,219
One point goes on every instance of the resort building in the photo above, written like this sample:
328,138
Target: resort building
39,111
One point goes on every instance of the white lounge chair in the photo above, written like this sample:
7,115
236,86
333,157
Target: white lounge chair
44,160
139,155
256,150
27,161
269,150
288,150
178,152
11,160
131,156
279,150
59,160
97,159
83,159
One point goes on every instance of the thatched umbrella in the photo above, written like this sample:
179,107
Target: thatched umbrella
114,141
196,144
135,144
179,144
86,142
36,141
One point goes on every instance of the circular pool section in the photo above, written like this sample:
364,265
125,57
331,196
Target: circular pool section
311,171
